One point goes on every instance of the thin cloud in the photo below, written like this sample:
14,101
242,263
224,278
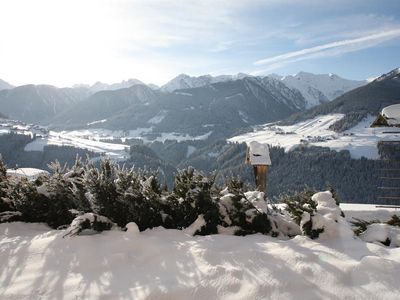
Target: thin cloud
334,48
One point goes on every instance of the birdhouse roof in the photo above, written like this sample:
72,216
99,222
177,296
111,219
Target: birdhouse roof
259,154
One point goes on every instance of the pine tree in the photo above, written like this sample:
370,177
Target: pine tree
194,195
26,199
61,197
103,196
4,185
242,213
75,178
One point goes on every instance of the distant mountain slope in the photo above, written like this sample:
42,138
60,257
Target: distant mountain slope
357,103
319,88
103,105
5,85
216,109
37,103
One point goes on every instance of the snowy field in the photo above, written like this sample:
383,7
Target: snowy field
38,263
95,140
30,173
360,140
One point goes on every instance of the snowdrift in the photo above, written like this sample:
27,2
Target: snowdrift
38,263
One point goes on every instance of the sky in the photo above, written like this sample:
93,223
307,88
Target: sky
67,42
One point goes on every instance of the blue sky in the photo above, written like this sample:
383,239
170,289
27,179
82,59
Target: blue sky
63,42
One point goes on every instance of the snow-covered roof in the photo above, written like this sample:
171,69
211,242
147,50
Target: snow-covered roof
392,114
259,154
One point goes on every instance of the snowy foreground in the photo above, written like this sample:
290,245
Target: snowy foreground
38,263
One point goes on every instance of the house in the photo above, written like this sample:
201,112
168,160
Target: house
389,116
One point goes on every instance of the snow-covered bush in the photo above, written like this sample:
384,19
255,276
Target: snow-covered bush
195,204
243,213
26,199
383,233
102,191
318,215
10,216
89,223
58,189
75,178
386,233
5,205
194,195
300,203
140,195
327,221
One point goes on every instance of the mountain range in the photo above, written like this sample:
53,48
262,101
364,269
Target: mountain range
218,109
188,106
315,88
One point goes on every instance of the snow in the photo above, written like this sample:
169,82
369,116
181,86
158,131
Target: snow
132,228
328,217
380,233
4,131
361,140
79,139
259,154
184,81
93,139
368,212
317,88
181,137
234,96
30,173
190,150
38,263
158,117
392,114
97,122
195,226
244,116
183,94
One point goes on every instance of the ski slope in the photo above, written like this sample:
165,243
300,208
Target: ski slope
360,141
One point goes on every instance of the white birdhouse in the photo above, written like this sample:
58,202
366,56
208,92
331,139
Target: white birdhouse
258,154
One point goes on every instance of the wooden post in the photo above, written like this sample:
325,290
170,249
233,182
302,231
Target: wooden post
260,174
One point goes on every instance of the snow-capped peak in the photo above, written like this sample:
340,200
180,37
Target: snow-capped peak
318,88
5,85
392,74
183,81
100,86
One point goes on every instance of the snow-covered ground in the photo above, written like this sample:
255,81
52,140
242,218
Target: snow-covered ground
38,263
115,151
30,173
360,140
95,140
369,212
